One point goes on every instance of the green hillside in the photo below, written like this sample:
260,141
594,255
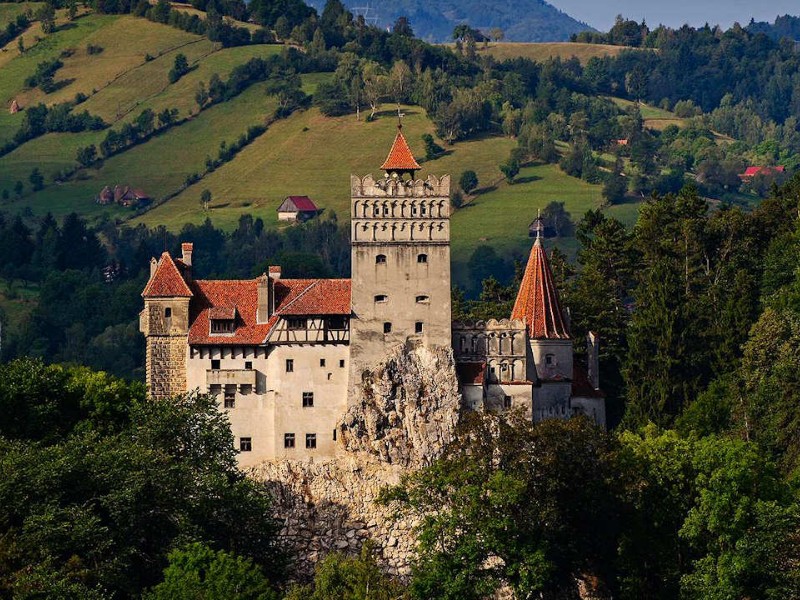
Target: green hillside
306,153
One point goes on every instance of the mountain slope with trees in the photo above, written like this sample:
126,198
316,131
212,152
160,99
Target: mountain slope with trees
434,20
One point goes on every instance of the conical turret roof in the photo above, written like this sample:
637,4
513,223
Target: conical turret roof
167,281
400,157
537,302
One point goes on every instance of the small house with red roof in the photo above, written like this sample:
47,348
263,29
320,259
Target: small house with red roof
751,172
297,208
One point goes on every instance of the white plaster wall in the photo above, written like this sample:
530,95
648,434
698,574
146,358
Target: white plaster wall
594,408
275,406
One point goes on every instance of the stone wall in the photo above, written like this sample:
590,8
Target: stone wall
405,413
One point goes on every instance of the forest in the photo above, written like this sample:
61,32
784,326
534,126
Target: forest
692,493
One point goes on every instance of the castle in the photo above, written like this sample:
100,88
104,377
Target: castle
283,356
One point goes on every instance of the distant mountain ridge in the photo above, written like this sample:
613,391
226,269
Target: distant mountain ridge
434,20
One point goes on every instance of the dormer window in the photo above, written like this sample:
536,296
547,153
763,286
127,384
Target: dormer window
380,259
219,326
223,320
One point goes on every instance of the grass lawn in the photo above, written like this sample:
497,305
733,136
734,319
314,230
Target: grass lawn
159,166
309,154
500,217
86,73
14,72
10,11
540,52
191,10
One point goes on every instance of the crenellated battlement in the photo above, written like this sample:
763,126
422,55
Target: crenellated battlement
396,187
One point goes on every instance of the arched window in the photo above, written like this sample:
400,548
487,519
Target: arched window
422,258
380,259
381,298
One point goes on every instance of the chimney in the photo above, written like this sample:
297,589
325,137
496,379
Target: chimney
186,248
264,309
593,358
275,272
153,267
274,275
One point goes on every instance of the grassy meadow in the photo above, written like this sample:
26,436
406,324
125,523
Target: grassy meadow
306,153
545,50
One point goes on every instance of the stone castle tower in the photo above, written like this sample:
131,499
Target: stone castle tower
400,240
165,324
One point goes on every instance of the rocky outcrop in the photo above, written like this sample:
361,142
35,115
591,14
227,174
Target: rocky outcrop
407,408
405,414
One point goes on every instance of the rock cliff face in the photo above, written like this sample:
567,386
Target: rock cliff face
405,414
407,409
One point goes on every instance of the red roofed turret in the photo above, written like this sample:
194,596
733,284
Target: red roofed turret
167,281
400,159
537,302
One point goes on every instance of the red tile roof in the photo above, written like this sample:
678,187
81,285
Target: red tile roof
471,372
400,157
167,281
537,301
298,203
292,297
314,297
753,171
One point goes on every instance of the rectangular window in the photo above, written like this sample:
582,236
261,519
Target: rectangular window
295,324
311,440
168,312
321,362
245,389
289,365
418,327
246,444
248,365
288,440
215,389
215,364
507,402
341,364
387,328
308,399
222,325
230,396
336,323
334,435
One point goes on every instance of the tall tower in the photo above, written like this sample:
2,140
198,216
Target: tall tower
400,242
165,325
550,361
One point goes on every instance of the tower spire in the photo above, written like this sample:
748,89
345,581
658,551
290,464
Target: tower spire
537,302
400,159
